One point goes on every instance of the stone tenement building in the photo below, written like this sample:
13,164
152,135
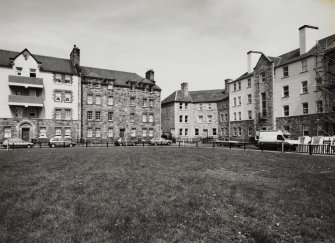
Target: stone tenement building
190,115
294,91
47,96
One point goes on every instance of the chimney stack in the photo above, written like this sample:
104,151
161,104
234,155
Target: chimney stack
303,38
249,61
150,75
184,89
75,56
226,84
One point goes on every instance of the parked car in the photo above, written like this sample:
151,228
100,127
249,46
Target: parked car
61,142
16,143
125,142
160,141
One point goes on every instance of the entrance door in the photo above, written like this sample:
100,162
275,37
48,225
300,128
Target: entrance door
205,133
122,133
25,134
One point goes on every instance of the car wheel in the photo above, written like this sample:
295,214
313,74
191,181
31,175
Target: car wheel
168,143
52,145
28,146
133,144
71,145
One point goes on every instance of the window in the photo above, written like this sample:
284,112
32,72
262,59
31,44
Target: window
58,114
97,133
226,117
239,100
97,85
249,115
304,65
110,116
304,108
133,132
67,80
286,110
209,118
319,106
58,96
110,84
234,131
151,132
234,116
249,82
7,132
68,114
151,103
180,132
234,86
89,132
186,106
33,112
144,132
221,117
214,131
200,107
239,116
186,131
32,92
58,79
68,132
132,117
89,99
43,132
239,85
19,92
201,119
144,103
263,98
234,101
180,118
58,131
285,71
32,73
186,118
68,97
225,131
110,100
19,71
89,115
304,87
98,115
209,106
98,100
144,117
263,78
132,101
249,131
180,106
305,130
196,131
286,92
151,118
110,132
249,99
239,131
286,128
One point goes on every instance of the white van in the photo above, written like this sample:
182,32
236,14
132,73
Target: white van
275,137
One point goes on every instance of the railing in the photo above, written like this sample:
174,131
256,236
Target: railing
316,149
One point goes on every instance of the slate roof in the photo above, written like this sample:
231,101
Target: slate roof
60,65
199,96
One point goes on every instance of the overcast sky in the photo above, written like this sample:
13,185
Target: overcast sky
201,42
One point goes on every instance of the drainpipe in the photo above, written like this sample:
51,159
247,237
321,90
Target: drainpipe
273,97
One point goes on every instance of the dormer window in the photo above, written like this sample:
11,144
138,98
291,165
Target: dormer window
32,72
19,71
97,85
132,86
110,84
58,96
58,79
67,80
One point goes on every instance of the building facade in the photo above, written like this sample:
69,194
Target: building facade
43,97
294,92
192,115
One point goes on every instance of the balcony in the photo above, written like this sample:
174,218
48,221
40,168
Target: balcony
20,100
25,81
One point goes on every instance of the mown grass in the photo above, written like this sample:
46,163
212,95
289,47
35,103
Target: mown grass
165,195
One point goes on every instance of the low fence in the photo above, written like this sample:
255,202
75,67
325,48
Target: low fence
316,149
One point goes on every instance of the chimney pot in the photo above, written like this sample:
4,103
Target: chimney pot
150,74
75,56
184,89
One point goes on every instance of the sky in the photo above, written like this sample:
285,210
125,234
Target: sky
201,42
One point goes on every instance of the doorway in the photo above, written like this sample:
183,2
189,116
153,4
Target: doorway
25,134
122,133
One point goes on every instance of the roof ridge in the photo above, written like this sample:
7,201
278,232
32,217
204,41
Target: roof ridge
104,69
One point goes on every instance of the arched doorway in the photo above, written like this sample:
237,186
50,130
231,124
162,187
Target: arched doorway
26,131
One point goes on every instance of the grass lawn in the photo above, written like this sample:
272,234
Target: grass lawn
165,194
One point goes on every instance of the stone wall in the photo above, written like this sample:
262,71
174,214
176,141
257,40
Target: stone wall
168,117
223,110
244,125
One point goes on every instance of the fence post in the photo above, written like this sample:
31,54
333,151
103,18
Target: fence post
40,145
262,147
107,144
282,147
64,144
310,149
230,145
86,144
161,143
179,143
143,143
213,144
13,146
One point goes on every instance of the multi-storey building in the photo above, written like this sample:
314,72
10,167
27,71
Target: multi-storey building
189,115
294,92
44,96
39,96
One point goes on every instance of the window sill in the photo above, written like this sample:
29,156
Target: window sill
304,71
304,93
285,77
285,97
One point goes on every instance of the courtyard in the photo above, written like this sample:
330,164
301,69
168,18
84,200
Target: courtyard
165,194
